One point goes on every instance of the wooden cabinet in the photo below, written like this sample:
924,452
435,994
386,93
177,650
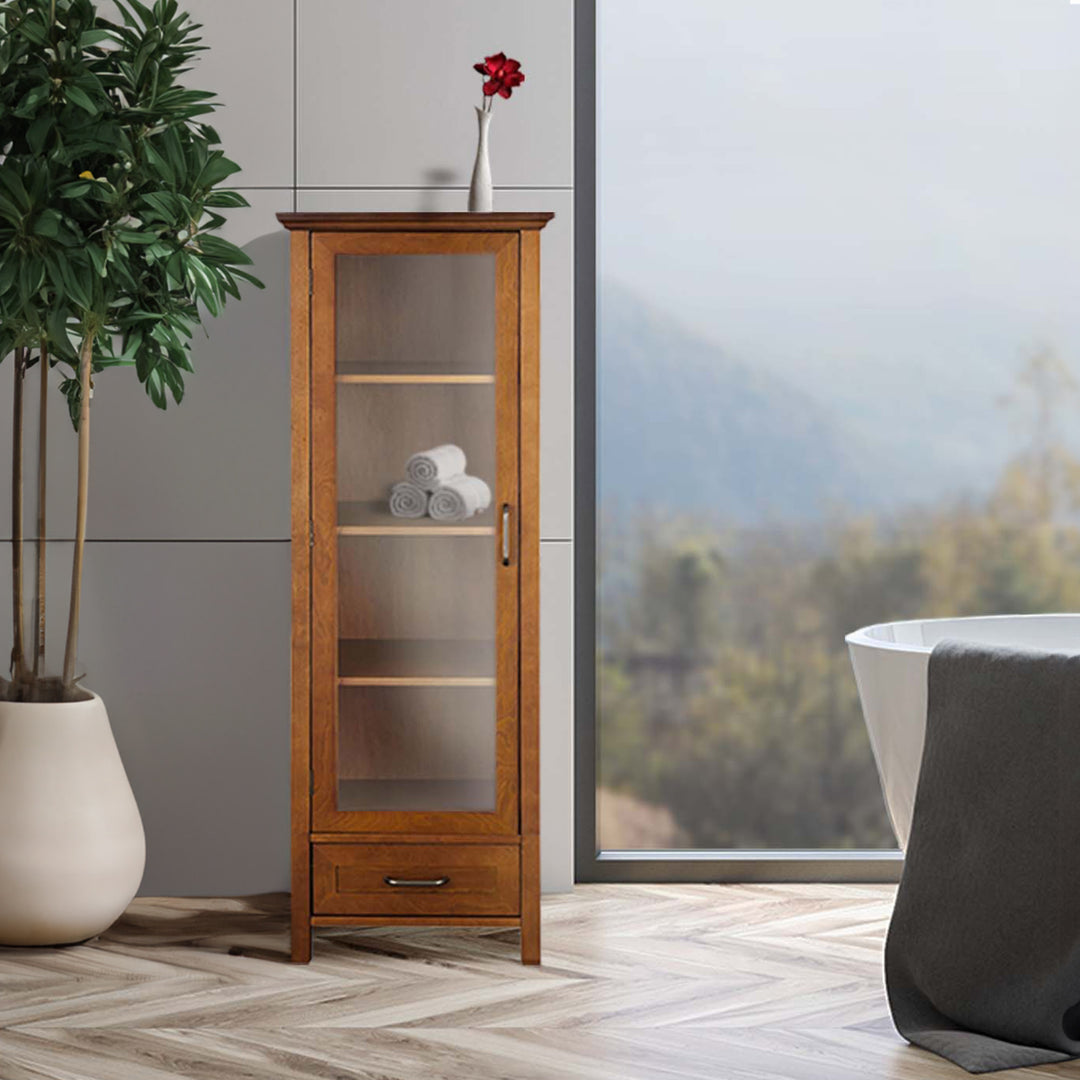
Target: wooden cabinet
415,744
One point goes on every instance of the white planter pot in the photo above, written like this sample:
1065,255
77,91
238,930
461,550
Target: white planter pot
72,848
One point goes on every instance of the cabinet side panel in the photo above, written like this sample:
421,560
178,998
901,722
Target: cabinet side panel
301,597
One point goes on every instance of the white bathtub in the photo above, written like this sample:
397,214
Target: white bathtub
891,661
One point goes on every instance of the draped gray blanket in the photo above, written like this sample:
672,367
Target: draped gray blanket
982,961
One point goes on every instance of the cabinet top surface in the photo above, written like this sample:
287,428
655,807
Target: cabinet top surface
407,222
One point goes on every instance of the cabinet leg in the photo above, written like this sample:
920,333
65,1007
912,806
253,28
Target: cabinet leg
301,941
530,899
530,939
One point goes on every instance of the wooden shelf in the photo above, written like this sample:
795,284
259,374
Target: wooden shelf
375,519
416,795
414,662
374,372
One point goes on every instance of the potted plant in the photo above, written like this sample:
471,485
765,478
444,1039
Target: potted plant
110,200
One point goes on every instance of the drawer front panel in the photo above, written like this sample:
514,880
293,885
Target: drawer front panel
416,879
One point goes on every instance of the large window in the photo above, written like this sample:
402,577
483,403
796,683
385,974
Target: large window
837,383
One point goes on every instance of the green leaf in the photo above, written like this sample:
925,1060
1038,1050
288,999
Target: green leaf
170,140
37,133
31,277
74,285
33,97
129,18
145,362
8,269
12,183
130,236
163,168
47,223
34,29
10,211
229,285
75,189
80,98
250,278
156,389
97,257
71,389
217,248
94,37
225,199
165,203
174,269
58,333
218,168
204,283
132,345
174,380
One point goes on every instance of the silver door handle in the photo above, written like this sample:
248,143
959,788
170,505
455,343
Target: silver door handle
506,534
417,883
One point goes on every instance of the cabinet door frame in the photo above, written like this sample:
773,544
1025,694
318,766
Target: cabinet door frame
326,247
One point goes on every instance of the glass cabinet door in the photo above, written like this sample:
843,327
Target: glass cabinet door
414,348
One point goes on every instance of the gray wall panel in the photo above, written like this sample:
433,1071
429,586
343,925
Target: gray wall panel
188,645
386,92
250,67
556,713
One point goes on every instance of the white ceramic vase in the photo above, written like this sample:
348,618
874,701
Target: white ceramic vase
72,848
480,200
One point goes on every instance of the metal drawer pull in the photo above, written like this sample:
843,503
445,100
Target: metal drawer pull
417,883
506,534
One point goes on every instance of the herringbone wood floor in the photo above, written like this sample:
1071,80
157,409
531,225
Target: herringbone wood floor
660,982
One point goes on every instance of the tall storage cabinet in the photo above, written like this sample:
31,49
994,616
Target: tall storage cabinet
415,742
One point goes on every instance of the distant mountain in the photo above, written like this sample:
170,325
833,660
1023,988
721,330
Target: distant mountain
684,426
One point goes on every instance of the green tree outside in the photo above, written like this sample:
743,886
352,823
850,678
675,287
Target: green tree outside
726,698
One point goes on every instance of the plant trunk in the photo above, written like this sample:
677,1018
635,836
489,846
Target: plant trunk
39,583
18,648
85,356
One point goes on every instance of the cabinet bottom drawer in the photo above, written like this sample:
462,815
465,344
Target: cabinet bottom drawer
416,879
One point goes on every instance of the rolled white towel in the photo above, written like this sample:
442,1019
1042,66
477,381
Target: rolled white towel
430,467
459,498
408,500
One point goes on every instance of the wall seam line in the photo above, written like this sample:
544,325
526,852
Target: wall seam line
296,106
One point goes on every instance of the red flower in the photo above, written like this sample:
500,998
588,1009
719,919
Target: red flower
501,75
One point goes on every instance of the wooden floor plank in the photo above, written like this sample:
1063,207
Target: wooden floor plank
639,982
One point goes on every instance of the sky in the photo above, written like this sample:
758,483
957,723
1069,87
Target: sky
879,199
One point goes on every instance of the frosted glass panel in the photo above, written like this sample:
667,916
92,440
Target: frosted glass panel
839,347
415,748
415,369
416,313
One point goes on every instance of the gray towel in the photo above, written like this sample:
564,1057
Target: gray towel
427,468
408,501
982,961
459,498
